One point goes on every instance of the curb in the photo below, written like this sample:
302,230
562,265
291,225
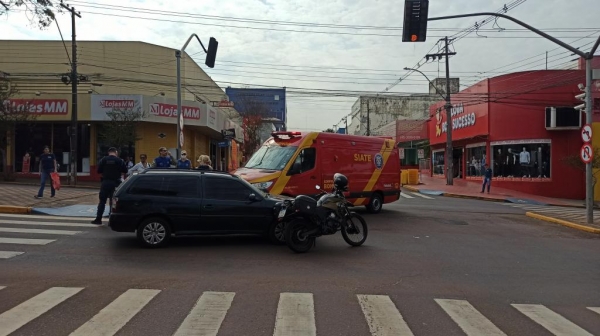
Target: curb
11,209
411,188
481,198
62,186
563,222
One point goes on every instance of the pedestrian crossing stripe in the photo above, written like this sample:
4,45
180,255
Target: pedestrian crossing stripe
295,315
9,254
405,195
421,195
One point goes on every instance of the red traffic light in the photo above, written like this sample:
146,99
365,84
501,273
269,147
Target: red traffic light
415,20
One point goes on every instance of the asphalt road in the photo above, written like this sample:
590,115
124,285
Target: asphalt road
439,266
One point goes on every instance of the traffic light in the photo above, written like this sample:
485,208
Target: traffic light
211,54
415,20
580,107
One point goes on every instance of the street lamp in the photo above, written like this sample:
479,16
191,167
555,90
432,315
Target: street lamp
448,106
211,54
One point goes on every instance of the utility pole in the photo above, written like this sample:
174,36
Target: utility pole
368,119
74,80
589,177
448,107
346,120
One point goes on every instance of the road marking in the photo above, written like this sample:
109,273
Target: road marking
550,320
56,232
405,195
383,317
12,222
2,287
114,316
27,311
469,319
421,195
295,315
85,219
8,255
26,241
594,309
207,315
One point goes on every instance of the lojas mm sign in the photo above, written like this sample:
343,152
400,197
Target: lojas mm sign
170,110
39,106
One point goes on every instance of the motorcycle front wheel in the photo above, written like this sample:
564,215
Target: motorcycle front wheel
295,237
355,230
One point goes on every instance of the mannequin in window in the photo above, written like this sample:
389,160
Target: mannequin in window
499,163
524,161
510,163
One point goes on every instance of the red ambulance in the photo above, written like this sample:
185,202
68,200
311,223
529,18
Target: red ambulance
292,163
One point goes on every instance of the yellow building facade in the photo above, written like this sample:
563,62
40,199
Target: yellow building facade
113,75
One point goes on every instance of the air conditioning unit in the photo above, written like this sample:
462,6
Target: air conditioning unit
562,118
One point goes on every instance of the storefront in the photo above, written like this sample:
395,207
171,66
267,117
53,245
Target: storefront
154,128
504,124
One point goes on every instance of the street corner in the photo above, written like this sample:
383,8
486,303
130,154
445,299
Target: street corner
79,210
13,209
563,222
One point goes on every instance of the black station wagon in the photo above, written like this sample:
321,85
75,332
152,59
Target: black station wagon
159,203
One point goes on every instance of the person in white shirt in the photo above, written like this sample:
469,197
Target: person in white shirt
139,167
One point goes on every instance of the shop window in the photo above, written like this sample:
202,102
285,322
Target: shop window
438,163
521,159
476,158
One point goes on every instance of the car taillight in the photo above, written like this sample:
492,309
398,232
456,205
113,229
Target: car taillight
115,202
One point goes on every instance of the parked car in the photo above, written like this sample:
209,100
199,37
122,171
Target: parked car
158,203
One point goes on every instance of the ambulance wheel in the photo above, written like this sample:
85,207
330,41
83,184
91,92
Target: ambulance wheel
375,204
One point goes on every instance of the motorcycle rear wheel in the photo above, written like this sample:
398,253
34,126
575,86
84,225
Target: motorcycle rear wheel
355,226
294,236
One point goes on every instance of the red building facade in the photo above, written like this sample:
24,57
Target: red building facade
502,122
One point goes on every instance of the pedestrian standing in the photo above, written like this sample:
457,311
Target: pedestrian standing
48,166
204,163
487,178
140,166
164,158
112,169
184,162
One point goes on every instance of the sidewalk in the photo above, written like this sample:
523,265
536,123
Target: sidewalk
69,201
472,190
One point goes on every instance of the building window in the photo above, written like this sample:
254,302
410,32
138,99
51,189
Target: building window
476,158
438,163
519,160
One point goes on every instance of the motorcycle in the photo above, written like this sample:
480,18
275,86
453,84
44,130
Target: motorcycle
307,218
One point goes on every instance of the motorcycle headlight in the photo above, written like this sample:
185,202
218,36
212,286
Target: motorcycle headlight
263,185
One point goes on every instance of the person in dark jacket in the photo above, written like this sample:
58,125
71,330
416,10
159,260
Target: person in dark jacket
111,168
487,178
48,166
184,162
204,163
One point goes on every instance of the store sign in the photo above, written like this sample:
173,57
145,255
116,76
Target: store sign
459,119
101,105
169,110
39,106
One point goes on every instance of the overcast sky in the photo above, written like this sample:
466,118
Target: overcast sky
300,60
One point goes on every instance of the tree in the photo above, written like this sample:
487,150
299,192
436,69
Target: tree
122,131
575,162
11,114
253,114
42,11
329,130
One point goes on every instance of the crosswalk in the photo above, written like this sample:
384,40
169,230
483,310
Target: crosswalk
566,213
17,232
411,194
294,314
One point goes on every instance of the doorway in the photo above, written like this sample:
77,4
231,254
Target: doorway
457,162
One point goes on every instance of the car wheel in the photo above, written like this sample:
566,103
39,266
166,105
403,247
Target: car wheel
154,232
375,204
276,233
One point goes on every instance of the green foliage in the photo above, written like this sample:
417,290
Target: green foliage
121,131
42,12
